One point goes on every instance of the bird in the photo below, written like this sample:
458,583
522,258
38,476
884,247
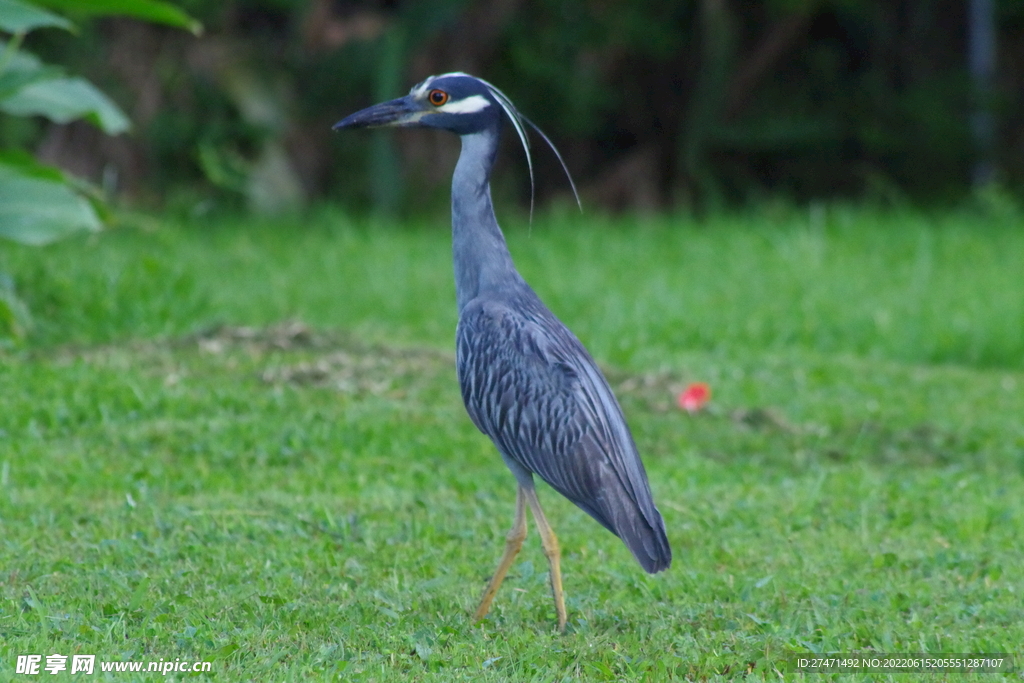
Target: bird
526,380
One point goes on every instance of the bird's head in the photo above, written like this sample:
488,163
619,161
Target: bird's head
456,102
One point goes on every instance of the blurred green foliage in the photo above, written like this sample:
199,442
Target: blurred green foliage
700,102
39,203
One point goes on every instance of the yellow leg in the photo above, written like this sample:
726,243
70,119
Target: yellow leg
513,542
553,553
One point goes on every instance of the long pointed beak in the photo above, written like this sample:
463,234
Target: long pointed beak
404,111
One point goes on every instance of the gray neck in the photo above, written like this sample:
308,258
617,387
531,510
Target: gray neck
482,260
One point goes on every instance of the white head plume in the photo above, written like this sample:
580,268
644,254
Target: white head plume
518,121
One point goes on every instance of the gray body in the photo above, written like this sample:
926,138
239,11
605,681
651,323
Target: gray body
530,385
526,380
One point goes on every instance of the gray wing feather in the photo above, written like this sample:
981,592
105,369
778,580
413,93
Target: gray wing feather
531,386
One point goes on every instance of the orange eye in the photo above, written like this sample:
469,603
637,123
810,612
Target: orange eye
437,97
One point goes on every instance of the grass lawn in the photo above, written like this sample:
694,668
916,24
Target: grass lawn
244,443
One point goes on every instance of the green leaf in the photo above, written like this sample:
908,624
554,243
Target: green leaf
38,211
67,99
20,161
21,17
15,320
13,80
18,59
26,165
21,68
149,10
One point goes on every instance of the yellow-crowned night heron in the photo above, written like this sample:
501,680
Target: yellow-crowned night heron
526,380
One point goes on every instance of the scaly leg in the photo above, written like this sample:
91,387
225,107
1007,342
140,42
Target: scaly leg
553,553
513,542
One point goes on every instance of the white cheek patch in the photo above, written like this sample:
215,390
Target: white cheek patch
467,105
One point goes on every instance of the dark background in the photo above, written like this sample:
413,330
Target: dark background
654,104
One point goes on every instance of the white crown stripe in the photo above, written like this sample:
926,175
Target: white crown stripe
421,89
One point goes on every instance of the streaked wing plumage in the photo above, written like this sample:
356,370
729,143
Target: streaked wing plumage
530,385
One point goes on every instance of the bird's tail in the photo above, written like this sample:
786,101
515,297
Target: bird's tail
643,532
633,518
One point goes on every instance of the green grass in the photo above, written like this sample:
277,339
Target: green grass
312,504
